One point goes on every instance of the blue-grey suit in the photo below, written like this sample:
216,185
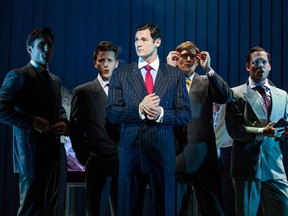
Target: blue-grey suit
147,147
257,160
197,161
36,156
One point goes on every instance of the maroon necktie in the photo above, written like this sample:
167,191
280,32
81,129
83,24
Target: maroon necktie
265,98
148,79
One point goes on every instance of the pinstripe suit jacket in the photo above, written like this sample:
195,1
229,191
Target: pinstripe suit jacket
146,146
23,95
252,158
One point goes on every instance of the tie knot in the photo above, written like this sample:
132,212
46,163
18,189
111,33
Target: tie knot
188,81
45,73
148,68
261,89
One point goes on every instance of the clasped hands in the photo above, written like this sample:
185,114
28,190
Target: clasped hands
43,126
150,106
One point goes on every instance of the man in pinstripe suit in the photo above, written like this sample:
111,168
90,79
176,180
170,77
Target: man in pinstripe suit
147,119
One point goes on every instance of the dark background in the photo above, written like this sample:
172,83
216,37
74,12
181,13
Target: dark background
225,28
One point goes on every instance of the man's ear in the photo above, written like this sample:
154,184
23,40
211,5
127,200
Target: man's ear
247,67
158,42
29,49
116,64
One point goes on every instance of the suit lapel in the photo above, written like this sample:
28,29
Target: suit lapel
162,80
137,82
100,99
278,100
255,102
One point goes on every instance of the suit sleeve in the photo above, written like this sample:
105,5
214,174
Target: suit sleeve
235,121
9,112
118,111
77,127
221,92
179,112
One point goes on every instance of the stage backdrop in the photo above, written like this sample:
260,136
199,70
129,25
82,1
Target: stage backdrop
225,28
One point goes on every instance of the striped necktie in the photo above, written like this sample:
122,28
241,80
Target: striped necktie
265,98
189,83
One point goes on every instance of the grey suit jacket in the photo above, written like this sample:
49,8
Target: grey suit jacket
255,156
196,147
25,94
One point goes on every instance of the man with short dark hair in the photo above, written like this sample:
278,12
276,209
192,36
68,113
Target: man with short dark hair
147,98
93,139
30,101
257,169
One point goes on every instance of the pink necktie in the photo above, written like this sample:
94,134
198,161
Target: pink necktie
148,79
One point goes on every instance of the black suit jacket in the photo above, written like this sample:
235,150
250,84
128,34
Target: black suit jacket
90,133
25,94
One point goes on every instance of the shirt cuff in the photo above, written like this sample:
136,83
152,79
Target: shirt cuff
160,118
141,115
260,135
260,130
210,73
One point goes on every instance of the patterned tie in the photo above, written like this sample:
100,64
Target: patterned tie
149,79
265,98
189,83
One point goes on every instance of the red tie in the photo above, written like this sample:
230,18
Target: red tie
148,79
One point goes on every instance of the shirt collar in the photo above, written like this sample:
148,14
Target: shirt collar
252,84
39,68
103,83
192,76
155,64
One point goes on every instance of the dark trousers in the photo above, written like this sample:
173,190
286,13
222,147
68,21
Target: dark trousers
39,192
101,176
62,182
226,183
208,193
132,187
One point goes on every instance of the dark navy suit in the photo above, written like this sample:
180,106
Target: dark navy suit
147,147
36,156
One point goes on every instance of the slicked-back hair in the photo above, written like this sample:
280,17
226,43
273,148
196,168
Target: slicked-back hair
256,49
106,46
154,30
37,33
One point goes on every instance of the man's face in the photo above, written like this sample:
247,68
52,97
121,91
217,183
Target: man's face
259,66
144,45
187,61
41,50
105,63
